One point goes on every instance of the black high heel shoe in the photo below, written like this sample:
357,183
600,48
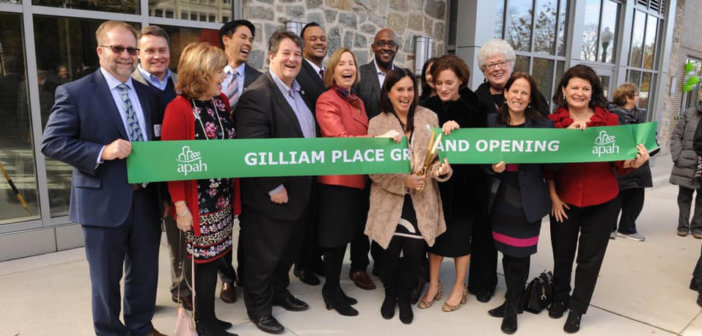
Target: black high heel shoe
337,300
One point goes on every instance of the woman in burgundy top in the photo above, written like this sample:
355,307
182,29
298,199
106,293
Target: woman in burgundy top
583,197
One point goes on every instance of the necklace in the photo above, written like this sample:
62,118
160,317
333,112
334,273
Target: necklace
197,116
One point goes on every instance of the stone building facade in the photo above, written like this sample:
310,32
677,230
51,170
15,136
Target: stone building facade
685,47
351,23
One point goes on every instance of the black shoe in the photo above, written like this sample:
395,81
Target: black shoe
213,328
557,309
499,311
291,303
406,314
572,324
509,321
349,299
224,324
484,296
695,283
699,299
334,300
268,323
306,276
387,310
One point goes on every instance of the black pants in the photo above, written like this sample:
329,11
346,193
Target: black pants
516,275
586,229
226,269
205,283
361,245
270,248
631,203
309,258
399,275
684,206
482,276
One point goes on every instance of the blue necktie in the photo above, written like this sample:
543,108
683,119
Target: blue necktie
133,128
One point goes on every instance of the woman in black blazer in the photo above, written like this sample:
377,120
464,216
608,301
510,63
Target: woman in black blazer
520,199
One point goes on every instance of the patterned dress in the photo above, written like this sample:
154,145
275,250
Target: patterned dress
215,194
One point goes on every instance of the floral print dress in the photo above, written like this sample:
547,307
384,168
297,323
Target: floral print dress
215,194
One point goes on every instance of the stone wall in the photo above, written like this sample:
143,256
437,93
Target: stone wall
351,23
685,44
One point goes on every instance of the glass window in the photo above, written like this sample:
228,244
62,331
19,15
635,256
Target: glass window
543,75
182,36
65,52
645,89
545,26
563,9
518,30
608,32
117,6
650,42
16,147
499,19
590,30
690,97
637,39
199,10
605,85
521,64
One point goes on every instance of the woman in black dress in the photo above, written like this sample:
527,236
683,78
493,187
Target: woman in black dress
521,199
464,196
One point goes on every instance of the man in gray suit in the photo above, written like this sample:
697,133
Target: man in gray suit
384,48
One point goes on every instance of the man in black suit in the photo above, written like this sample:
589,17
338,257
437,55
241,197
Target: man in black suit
275,209
236,37
384,48
92,125
311,79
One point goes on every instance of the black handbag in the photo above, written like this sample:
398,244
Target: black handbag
539,293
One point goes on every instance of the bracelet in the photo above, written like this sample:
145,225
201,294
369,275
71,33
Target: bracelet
183,214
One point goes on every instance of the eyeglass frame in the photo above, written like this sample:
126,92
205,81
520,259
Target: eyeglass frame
493,66
382,44
118,50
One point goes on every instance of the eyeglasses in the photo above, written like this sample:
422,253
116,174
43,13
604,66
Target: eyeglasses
493,66
382,44
120,49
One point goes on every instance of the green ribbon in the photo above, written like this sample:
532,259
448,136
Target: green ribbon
155,161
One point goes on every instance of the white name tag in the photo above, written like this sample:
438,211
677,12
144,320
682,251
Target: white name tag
157,131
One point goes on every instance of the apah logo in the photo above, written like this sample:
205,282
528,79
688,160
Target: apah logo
190,162
605,144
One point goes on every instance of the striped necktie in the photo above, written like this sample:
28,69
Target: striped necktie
233,90
133,128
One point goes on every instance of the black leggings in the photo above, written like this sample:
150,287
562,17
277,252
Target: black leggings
399,275
516,274
333,259
205,283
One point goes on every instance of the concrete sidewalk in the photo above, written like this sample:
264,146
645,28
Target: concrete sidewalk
642,290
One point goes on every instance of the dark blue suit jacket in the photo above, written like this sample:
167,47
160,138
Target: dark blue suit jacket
533,187
84,118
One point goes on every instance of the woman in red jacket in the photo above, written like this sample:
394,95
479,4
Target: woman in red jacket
343,204
583,197
203,208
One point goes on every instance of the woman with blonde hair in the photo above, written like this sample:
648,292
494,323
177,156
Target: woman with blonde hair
203,208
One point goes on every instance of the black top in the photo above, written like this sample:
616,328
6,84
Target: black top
640,177
466,191
491,101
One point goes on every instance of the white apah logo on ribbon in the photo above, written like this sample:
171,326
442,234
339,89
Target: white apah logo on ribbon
605,144
190,162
